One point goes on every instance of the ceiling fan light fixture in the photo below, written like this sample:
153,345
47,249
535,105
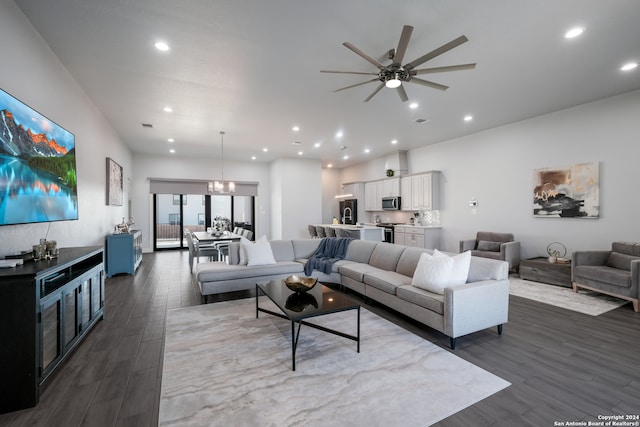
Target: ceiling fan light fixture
393,82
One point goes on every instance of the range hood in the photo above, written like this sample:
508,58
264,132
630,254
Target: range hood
397,162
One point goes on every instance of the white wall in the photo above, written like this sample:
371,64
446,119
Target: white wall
331,185
33,74
296,194
146,166
496,167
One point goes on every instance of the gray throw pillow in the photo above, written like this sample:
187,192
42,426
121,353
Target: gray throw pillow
485,245
621,261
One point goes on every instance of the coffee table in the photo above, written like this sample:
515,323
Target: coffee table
296,307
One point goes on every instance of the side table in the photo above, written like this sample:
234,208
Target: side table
541,270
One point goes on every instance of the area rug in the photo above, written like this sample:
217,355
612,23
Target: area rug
585,301
224,367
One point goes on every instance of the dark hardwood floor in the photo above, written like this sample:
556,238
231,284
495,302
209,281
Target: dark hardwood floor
563,366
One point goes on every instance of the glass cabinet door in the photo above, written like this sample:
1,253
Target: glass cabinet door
51,333
70,314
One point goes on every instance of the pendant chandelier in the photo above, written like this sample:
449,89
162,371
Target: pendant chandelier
222,186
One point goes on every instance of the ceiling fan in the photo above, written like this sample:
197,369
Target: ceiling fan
394,74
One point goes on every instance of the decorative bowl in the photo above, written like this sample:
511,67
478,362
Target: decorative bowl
300,284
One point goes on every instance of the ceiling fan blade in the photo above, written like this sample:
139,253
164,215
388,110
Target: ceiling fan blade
349,72
355,85
402,44
374,92
428,83
402,93
363,55
443,69
436,52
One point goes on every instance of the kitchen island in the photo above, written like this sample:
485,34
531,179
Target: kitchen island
361,232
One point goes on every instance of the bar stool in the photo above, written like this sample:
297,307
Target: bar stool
312,231
330,231
341,232
320,231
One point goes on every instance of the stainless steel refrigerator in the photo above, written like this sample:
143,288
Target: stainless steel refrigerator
349,211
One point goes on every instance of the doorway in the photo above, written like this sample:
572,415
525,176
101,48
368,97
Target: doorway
176,213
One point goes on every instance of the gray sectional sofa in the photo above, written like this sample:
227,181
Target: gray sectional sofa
383,273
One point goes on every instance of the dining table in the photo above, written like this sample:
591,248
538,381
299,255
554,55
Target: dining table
221,242
206,237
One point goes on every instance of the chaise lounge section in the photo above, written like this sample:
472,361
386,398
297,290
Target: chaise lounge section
381,272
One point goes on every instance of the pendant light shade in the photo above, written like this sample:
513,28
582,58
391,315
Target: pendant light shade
221,186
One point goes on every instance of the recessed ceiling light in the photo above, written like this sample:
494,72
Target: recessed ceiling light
300,153
295,128
346,157
339,134
413,105
330,165
171,140
468,118
629,66
253,157
394,141
574,32
161,46
316,145
265,149
167,109
172,151
366,150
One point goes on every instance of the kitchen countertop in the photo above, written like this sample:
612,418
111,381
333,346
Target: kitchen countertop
408,225
419,226
349,226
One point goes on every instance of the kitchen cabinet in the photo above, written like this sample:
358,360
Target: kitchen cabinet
421,191
390,187
418,237
353,188
123,252
49,307
405,194
374,191
371,200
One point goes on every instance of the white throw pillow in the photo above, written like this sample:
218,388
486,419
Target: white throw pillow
244,242
260,253
432,272
460,270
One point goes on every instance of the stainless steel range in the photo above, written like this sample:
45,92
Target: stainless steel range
388,230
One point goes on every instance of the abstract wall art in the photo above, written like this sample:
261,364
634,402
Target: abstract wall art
567,192
114,183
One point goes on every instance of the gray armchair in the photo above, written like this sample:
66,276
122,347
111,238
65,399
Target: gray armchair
615,272
500,246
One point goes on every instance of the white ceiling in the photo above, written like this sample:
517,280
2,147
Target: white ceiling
251,68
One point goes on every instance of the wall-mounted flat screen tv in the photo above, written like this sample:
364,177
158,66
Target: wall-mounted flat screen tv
37,166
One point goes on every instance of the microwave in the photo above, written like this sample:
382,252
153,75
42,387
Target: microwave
391,203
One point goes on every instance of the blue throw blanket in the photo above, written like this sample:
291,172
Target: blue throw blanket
330,250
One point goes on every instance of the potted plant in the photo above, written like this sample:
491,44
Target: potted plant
389,172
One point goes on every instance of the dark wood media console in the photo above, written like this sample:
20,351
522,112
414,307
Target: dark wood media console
47,308
541,270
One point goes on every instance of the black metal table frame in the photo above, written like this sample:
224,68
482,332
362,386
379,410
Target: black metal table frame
295,335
